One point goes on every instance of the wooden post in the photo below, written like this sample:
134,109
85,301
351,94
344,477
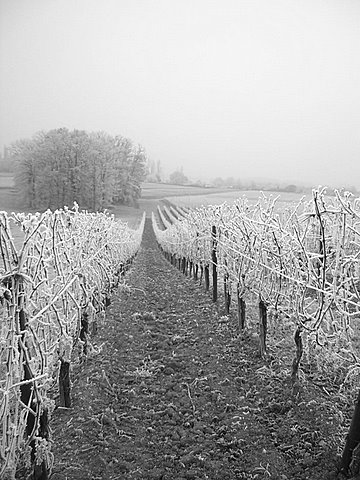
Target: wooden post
207,277
299,353
28,396
352,440
214,262
196,271
191,268
241,309
262,327
227,294
64,384
183,265
242,313
41,471
84,331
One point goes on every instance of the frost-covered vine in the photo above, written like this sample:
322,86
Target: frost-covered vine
53,285
302,261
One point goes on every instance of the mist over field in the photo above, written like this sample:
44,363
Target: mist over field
180,239
245,89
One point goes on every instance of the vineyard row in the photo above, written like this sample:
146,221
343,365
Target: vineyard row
54,286
300,263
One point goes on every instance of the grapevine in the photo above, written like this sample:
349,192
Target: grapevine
52,290
302,262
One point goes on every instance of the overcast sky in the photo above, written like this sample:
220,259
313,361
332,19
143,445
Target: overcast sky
243,88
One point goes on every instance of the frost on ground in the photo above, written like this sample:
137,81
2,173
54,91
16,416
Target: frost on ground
175,393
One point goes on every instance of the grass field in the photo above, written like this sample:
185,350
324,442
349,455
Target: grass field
163,190
180,376
8,199
152,194
6,180
229,196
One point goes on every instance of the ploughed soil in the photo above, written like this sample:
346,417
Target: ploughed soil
172,391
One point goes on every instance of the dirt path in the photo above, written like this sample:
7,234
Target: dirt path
175,394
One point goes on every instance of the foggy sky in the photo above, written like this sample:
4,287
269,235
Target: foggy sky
242,88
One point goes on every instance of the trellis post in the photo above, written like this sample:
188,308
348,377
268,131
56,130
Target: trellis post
214,262
262,327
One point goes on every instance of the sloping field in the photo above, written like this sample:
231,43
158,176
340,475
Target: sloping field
173,392
217,198
6,180
8,199
151,194
162,190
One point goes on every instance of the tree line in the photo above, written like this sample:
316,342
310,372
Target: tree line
60,167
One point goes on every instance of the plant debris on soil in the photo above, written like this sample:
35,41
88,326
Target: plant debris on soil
172,391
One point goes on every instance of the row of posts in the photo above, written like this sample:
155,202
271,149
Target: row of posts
187,267
38,417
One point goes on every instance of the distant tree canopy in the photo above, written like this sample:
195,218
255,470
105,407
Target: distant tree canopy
60,167
178,177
